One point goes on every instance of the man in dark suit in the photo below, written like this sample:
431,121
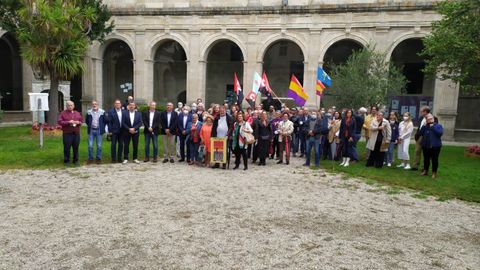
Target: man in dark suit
183,120
132,121
151,122
114,123
168,121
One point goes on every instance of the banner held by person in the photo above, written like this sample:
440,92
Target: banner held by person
296,92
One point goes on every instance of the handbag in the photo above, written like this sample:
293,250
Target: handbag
249,138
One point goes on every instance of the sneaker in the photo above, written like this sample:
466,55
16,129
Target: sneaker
407,167
125,161
389,165
136,161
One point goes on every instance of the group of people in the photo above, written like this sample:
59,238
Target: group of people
254,134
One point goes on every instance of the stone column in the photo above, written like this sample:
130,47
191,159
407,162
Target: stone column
96,91
196,70
310,68
141,92
445,104
27,78
251,64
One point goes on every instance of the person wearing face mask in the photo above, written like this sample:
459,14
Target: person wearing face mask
193,108
184,120
380,135
393,140
314,136
405,132
431,134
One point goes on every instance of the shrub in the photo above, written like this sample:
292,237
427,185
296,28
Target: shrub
144,108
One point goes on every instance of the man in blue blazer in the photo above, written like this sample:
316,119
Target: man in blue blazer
168,120
182,130
151,122
132,121
114,122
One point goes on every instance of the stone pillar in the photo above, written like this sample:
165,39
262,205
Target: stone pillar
196,70
141,92
310,68
251,64
27,78
96,91
149,66
445,104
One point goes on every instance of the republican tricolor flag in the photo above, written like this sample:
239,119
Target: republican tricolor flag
295,91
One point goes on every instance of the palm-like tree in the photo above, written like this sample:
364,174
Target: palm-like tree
54,36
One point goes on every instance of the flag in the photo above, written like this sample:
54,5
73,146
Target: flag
295,91
323,77
319,87
265,88
257,80
237,88
251,97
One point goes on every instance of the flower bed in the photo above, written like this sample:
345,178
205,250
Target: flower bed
472,151
47,130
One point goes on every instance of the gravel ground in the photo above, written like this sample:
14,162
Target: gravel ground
176,216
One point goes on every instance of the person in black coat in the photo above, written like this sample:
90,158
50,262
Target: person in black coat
347,132
168,121
314,136
132,121
151,121
263,134
184,118
114,119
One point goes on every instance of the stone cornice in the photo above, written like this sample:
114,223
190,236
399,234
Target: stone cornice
316,9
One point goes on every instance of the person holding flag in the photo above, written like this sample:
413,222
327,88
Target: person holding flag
266,90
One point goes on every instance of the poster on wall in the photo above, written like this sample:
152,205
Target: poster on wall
219,150
411,104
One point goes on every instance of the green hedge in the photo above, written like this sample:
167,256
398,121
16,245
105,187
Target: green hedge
144,108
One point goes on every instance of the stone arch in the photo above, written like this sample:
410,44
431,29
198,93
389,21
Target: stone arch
158,40
277,37
401,38
354,37
112,38
214,39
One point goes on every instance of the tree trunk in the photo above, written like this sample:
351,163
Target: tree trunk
53,100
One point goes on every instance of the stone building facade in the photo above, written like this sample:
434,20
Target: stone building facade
185,49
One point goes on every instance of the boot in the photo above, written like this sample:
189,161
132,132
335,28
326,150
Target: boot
347,162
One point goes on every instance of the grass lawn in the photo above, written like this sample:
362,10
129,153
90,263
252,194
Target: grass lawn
459,177
19,149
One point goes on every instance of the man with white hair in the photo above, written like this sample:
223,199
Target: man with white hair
184,118
151,121
168,120
132,121
95,121
70,120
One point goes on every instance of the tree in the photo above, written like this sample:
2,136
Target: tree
365,79
453,47
54,36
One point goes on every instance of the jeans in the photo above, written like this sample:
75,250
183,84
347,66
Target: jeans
70,141
302,141
389,154
315,143
96,135
117,142
356,138
151,137
193,150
